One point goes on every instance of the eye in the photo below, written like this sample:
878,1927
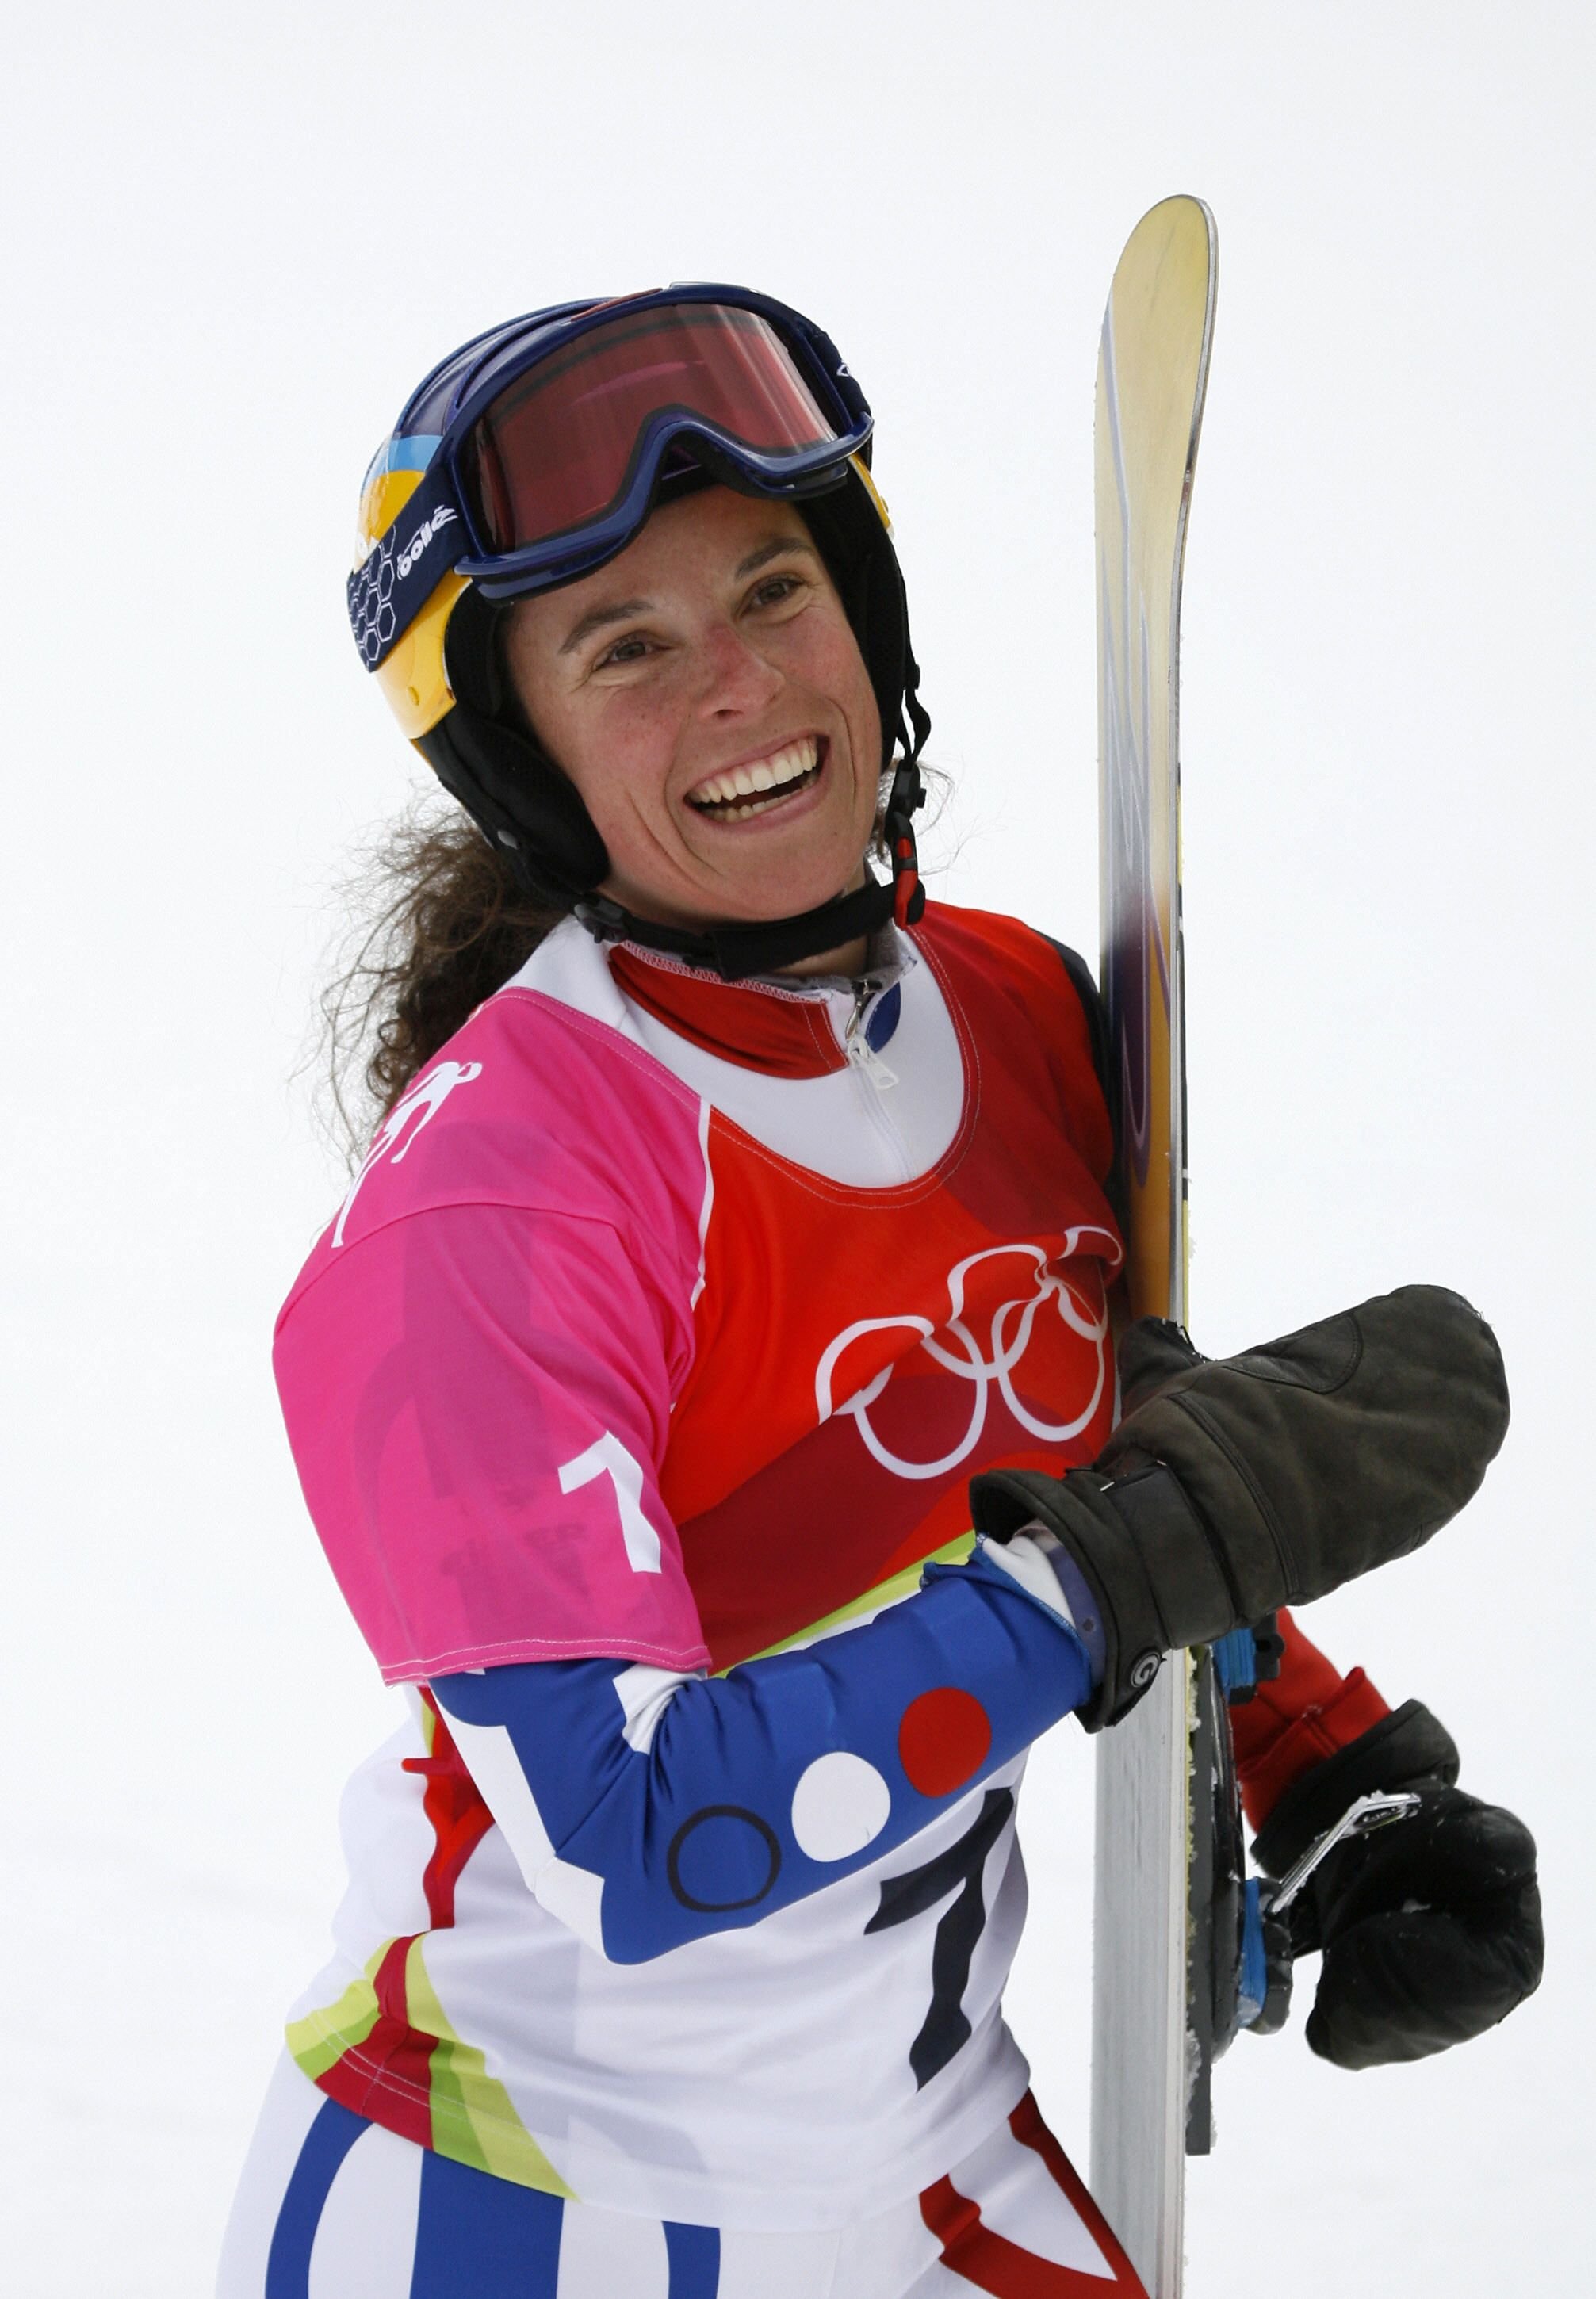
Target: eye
632,648
776,590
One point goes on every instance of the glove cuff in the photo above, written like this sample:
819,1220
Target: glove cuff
1005,1503
1403,1748
1141,1551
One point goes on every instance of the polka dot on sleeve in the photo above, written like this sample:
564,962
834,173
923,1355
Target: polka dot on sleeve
840,1804
944,1739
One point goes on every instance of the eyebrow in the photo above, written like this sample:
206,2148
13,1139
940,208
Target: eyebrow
777,548
600,618
622,611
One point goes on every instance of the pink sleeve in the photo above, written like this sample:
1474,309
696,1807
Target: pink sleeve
477,1396
478,1361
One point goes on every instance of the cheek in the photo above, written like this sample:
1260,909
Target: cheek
835,668
617,755
613,744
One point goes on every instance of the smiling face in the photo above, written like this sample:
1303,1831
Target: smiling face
705,694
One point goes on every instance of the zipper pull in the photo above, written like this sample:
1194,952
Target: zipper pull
858,1048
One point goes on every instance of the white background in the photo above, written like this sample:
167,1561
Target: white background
234,239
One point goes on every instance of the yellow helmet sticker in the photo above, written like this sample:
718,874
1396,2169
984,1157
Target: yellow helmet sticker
413,678
872,490
382,499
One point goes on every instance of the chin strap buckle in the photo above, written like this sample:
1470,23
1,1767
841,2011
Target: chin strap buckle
908,896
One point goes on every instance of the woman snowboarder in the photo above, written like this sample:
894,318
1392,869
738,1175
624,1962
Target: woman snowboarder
731,1210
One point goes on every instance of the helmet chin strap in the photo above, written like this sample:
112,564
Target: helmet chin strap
766,946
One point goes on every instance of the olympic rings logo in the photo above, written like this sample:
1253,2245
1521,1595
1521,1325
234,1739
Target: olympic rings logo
1012,1323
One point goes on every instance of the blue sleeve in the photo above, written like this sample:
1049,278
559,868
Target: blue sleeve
648,1809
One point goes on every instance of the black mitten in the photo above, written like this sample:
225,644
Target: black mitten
1430,1925
1254,1482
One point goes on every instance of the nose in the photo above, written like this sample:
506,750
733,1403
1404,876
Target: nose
736,681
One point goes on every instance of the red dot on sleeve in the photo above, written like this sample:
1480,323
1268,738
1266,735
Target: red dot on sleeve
943,1739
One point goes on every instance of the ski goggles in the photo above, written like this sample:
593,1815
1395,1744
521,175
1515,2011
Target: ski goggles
556,432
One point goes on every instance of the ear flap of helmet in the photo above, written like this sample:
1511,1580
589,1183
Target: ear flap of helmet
500,774
521,802
853,541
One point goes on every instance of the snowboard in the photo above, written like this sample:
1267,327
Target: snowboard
1156,1810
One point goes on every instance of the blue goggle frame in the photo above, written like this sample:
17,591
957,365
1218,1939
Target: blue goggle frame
389,589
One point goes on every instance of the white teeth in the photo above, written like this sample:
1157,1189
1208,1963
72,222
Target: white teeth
797,761
761,775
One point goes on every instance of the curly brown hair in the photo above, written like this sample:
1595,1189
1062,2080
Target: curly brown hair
442,924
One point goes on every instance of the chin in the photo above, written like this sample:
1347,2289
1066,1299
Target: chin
795,892
775,879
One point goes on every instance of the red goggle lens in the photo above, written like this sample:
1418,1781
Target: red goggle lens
555,451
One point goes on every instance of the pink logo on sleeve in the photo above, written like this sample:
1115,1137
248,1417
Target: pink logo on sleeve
421,1101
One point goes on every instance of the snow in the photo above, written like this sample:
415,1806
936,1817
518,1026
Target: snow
241,235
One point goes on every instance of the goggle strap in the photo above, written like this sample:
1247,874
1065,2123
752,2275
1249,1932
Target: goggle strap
404,566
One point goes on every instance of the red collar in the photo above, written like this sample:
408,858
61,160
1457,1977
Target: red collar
786,1034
